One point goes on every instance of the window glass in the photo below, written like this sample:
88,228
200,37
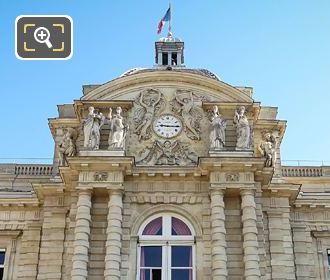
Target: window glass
181,274
179,227
156,274
151,256
145,274
166,250
155,227
181,256
2,257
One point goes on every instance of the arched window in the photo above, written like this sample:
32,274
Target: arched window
166,249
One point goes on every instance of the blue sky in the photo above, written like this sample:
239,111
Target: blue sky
281,48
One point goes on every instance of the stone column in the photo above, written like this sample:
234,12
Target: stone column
114,235
218,231
250,235
81,236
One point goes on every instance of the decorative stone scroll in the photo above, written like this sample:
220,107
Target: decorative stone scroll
67,146
149,104
91,127
186,104
267,149
168,153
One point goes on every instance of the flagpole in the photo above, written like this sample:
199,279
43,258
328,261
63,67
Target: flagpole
170,22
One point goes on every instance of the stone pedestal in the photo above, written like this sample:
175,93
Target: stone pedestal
81,236
114,235
219,256
250,235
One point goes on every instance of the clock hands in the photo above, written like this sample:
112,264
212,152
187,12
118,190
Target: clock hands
168,125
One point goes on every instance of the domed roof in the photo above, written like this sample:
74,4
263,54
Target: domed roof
202,72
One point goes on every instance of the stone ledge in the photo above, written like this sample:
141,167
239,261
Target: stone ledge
238,154
102,153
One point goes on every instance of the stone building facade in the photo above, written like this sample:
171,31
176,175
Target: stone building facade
181,179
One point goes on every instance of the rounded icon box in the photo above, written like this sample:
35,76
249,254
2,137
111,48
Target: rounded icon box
44,37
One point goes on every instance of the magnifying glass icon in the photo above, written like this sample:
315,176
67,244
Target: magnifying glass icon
42,35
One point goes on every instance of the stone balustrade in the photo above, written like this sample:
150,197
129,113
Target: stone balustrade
27,169
301,171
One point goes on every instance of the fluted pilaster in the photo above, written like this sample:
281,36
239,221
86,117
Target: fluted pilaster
114,235
81,236
250,235
219,256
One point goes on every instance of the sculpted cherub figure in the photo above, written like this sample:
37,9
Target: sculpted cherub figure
267,148
67,147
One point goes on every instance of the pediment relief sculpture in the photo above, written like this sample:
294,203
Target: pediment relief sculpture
67,146
168,153
91,128
150,103
267,149
217,130
243,130
188,105
118,129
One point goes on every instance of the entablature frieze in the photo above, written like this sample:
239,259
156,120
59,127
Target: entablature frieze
166,198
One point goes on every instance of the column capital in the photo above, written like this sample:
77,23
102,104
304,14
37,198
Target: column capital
247,191
219,191
112,191
85,190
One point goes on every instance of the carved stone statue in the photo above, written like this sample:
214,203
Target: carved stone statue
267,148
67,147
218,127
243,130
191,113
149,103
168,153
92,126
118,130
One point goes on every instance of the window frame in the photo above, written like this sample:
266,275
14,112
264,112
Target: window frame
2,265
166,241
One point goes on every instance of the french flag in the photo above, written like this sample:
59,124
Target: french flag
164,19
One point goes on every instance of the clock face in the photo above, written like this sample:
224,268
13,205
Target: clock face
167,126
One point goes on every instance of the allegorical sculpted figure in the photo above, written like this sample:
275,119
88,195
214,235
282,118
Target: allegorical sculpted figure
190,113
267,148
218,127
243,130
67,147
118,130
143,117
168,153
92,126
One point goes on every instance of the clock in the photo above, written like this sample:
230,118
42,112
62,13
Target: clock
167,126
